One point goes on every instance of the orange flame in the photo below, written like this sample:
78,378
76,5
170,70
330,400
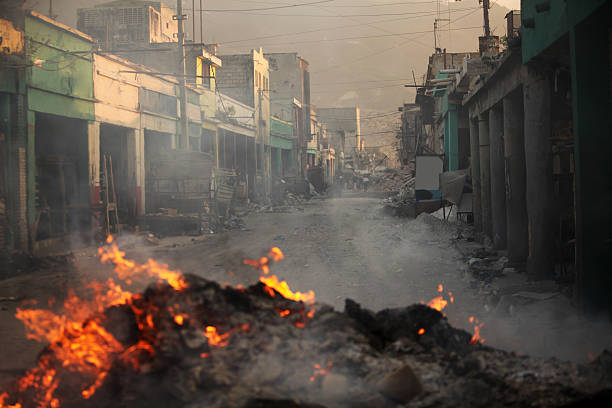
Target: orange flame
283,288
319,371
438,303
127,269
78,340
477,326
216,339
440,288
421,331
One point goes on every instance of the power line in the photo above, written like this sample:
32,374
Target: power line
403,3
347,63
423,13
365,37
293,33
262,8
359,81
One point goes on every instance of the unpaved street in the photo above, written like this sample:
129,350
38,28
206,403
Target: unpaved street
339,248
346,248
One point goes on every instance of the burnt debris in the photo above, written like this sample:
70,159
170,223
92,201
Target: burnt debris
214,346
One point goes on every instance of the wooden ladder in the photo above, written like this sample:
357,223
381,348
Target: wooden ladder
110,201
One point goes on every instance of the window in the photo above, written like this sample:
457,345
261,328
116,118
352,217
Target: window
92,18
131,16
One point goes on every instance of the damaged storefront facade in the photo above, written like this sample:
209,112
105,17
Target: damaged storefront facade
533,120
91,139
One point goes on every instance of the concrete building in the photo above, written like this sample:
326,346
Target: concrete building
128,24
538,152
283,143
246,78
236,140
75,106
450,130
14,232
144,32
290,99
344,132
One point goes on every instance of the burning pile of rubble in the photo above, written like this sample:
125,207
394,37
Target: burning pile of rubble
189,342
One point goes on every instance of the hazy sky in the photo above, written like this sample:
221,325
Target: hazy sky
361,52
511,4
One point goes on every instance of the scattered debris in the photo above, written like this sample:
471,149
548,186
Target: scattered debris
213,346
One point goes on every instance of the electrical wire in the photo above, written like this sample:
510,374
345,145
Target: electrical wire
283,35
263,8
348,63
326,16
366,37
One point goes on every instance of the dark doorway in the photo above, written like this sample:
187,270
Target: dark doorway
113,144
62,177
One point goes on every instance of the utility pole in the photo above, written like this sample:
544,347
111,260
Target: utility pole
193,16
485,7
51,9
257,134
184,128
201,24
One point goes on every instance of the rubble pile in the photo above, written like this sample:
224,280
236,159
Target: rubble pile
395,180
204,345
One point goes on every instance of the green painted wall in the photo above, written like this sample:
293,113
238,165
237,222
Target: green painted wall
451,139
281,128
549,25
451,130
281,143
60,82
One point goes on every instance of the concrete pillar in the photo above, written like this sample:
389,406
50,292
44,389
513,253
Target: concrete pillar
27,192
539,185
514,154
136,171
498,177
485,174
93,142
475,168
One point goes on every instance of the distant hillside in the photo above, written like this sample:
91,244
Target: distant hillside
367,72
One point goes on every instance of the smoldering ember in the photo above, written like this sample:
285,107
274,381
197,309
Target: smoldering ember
305,203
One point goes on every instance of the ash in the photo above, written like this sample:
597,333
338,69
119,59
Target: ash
270,352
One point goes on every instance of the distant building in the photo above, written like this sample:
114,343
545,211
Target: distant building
343,132
290,99
450,131
246,78
128,23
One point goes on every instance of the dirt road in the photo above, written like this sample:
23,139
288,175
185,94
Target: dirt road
339,248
